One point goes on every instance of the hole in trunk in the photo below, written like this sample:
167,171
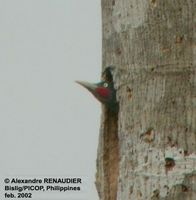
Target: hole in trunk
111,149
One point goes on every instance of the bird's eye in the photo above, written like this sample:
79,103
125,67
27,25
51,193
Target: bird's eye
105,84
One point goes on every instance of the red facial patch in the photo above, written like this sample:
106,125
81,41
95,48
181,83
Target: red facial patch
103,92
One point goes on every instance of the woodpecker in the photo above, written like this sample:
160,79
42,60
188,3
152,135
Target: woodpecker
103,91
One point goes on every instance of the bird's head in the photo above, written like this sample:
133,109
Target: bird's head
103,91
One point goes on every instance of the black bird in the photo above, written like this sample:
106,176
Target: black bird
104,91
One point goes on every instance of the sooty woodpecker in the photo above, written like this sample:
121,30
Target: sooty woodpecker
104,91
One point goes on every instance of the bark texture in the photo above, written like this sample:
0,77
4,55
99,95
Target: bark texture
148,150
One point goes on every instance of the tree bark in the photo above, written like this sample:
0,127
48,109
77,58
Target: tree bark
148,149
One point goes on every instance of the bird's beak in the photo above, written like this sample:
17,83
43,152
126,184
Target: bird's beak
89,86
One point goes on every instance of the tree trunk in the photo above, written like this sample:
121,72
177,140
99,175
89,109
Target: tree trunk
148,149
